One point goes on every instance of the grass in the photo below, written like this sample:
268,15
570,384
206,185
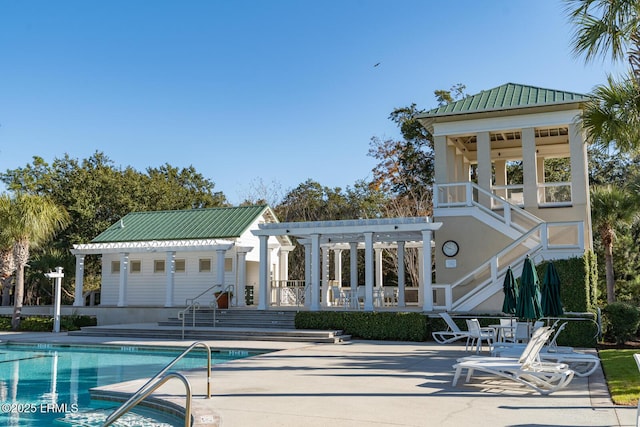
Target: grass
622,375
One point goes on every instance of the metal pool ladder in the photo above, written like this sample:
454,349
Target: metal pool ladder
158,380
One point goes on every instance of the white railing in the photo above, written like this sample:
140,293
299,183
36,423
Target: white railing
288,293
465,193
159,379
554,194
513,194
469,194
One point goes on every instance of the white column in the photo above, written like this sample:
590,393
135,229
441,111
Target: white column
580,178
529,168
78,300
284,263
440,153
368,271
484,166
501,176
427,300
263,298
379,277
242,278
337,266
315,272
122,288
307,273
170,271
401,275
325,277
353,265
220,253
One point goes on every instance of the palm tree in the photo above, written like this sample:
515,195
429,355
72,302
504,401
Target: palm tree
612,208
607,27
7,264
612,116
32,220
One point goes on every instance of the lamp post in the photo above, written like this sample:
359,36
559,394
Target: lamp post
58,275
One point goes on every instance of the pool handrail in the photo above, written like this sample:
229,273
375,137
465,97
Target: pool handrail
141,394
163,371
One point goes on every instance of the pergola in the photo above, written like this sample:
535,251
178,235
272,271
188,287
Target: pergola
351,235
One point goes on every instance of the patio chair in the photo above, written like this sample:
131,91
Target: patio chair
340,298
528,370
478,333
453,332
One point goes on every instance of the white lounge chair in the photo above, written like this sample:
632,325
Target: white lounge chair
582,364
453,332
543,377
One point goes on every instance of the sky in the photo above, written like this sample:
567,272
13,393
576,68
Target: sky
258,93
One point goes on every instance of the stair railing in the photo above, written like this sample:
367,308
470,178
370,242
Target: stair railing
468,194
535,241
214,304
159,379
193,305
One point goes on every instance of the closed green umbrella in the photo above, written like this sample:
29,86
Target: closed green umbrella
510,293
551,302
528,306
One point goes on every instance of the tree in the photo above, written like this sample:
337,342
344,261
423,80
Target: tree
31,220
406,166
605,28
612,208
612,117
7,263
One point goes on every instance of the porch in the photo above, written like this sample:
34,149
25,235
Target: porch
319,292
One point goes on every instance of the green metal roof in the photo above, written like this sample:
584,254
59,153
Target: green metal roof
506,97
213,223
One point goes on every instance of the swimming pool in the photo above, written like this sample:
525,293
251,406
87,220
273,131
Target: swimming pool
41,384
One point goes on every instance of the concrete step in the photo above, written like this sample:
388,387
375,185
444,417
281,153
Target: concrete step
209,333
237,318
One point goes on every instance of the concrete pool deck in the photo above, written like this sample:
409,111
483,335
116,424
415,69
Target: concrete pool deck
366,383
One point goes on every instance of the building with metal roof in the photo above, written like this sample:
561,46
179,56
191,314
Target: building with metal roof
164,258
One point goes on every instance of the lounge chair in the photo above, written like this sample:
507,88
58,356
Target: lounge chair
453,332
544,377
582,364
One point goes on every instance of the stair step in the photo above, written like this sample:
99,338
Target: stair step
231,324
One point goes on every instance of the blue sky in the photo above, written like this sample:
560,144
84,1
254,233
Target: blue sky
278,91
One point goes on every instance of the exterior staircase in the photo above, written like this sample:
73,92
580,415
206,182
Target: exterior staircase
231,324
530,238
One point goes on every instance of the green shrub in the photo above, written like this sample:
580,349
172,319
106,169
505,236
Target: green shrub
36,324
368,325
5,323
621,321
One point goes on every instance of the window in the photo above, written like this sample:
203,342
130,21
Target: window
205,265
228,264
180,266
158,266
135,265
115,267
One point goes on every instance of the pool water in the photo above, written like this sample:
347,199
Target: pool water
43,384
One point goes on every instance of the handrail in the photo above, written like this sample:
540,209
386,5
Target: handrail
541,245
143,390
193,305
200,294
141,395
214,303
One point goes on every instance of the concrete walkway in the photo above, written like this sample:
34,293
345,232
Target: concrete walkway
367,383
